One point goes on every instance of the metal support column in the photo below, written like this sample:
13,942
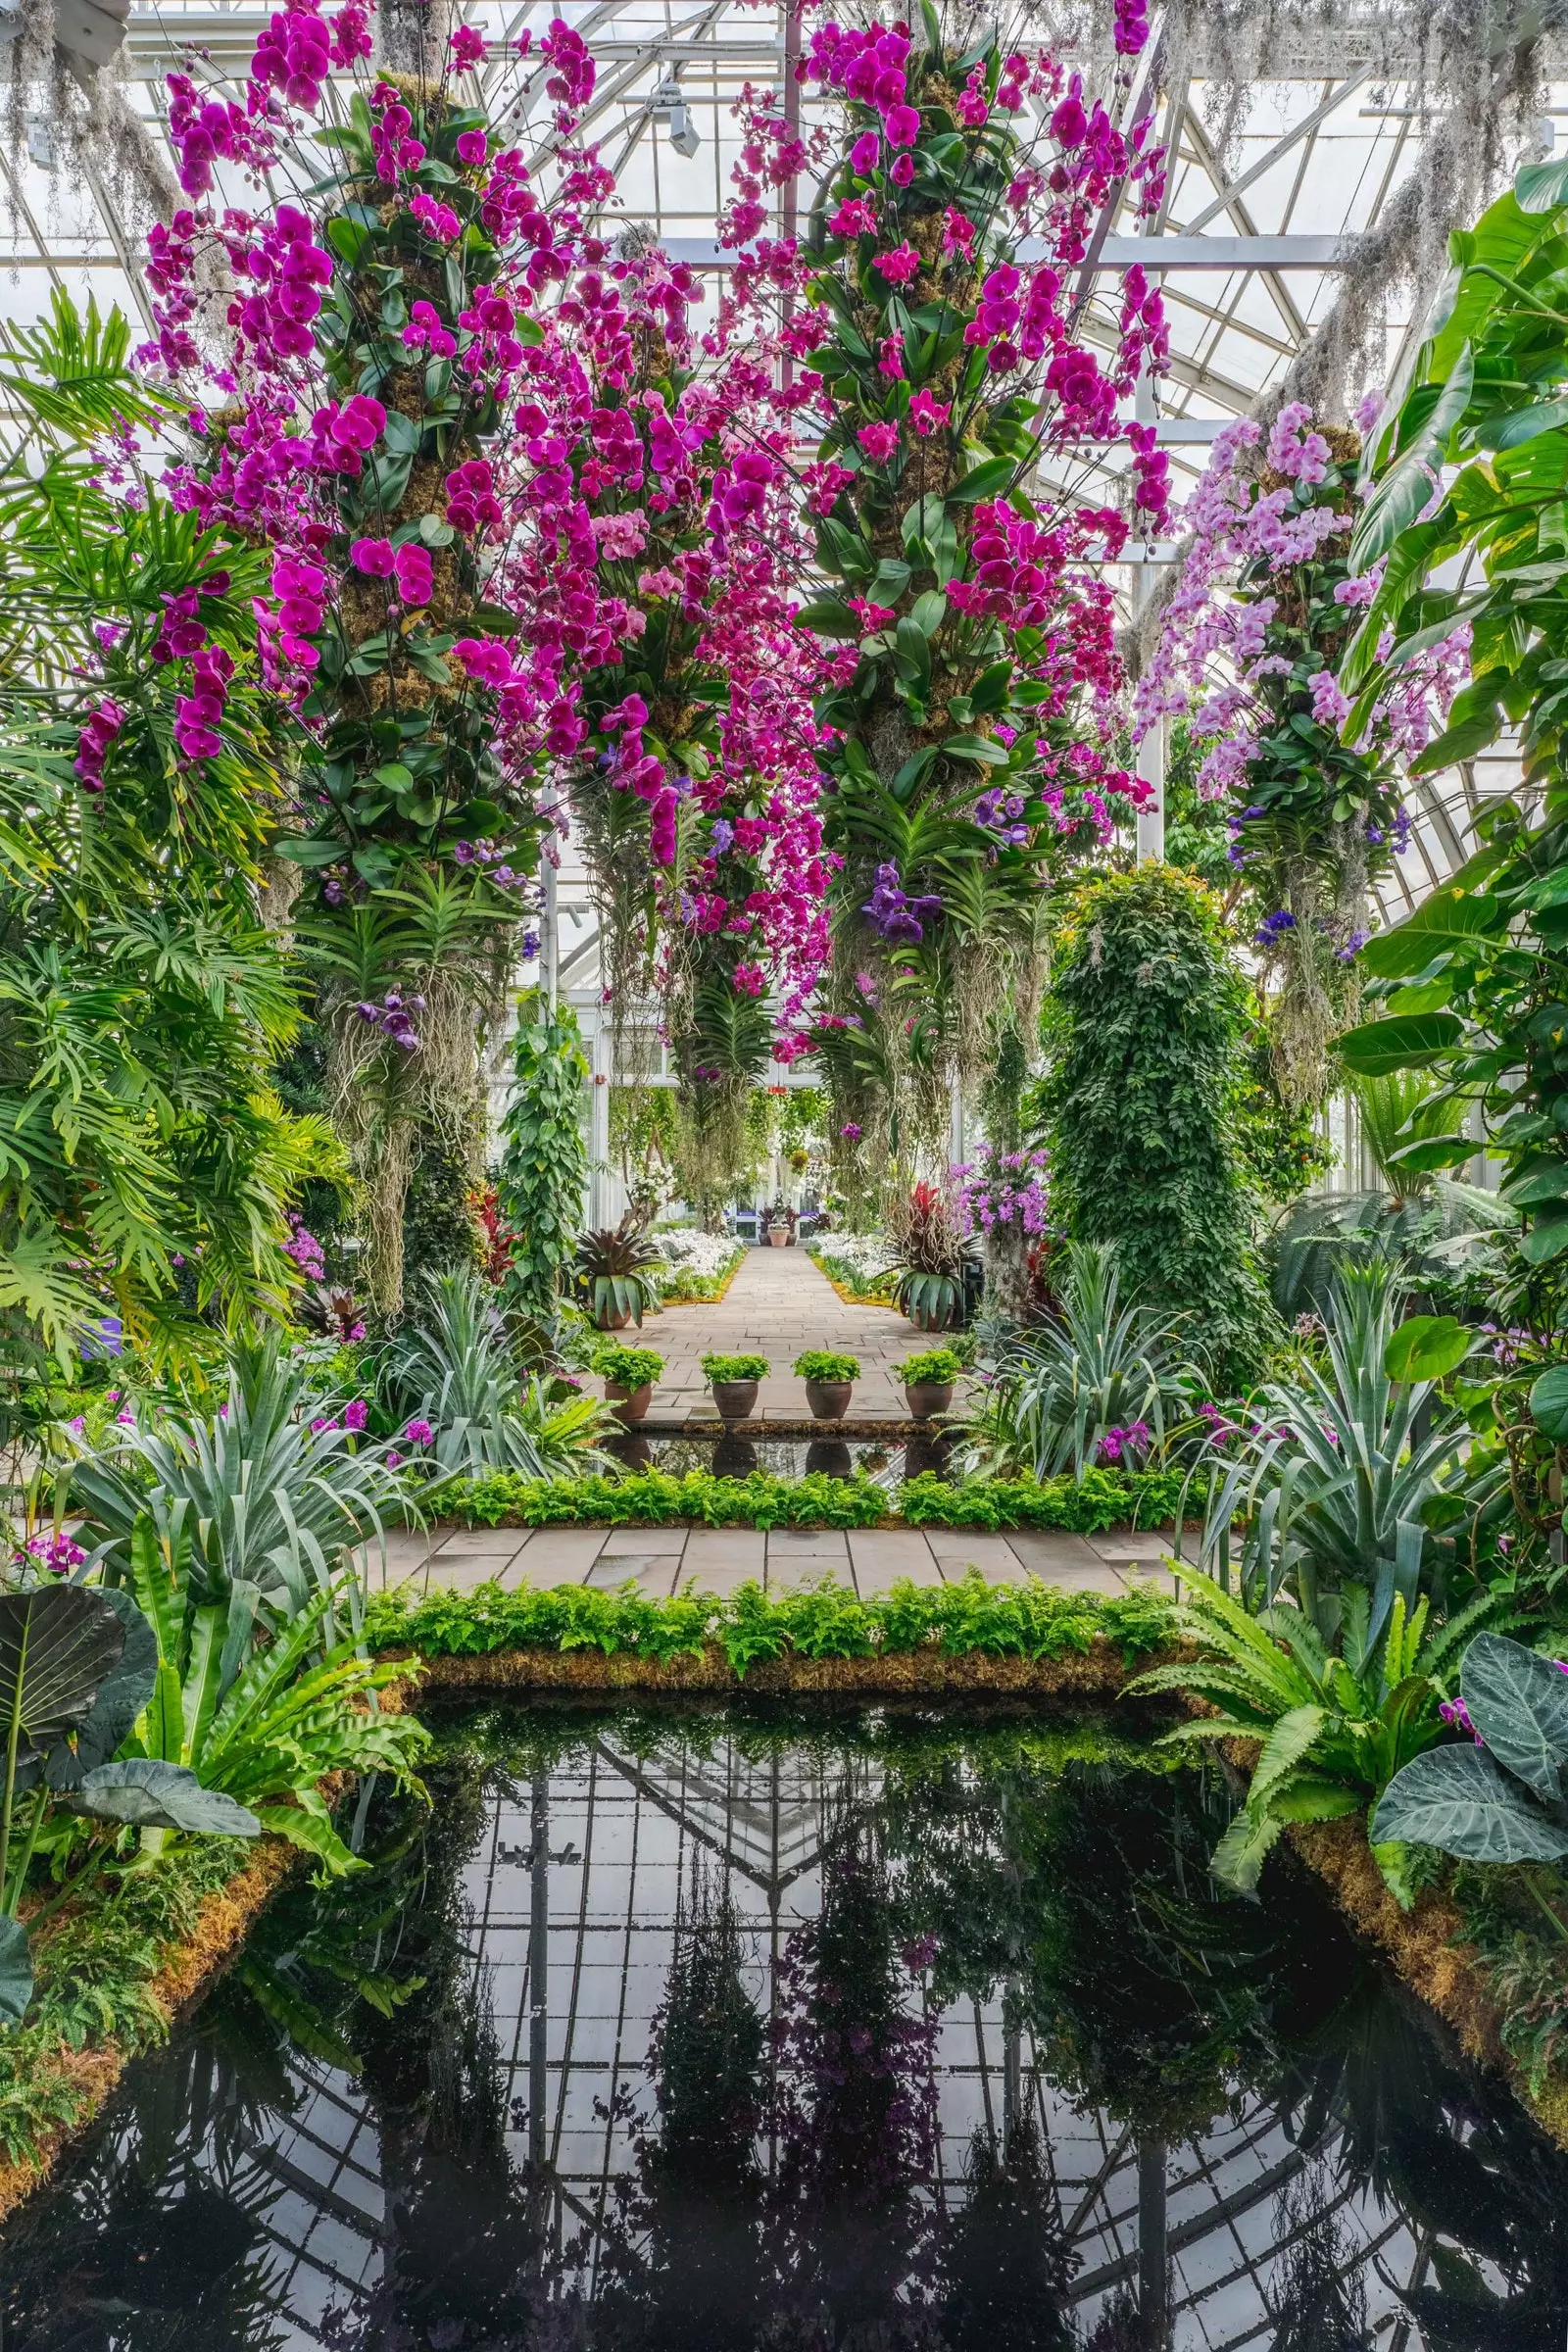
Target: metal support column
1152,751
549,933
1153,2255
538,1975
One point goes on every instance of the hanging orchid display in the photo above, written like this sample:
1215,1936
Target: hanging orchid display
972,718
1252,639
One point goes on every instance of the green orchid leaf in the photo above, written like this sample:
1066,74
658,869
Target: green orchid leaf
1549,1403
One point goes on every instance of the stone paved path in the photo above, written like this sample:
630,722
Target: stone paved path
715,1559
778,1304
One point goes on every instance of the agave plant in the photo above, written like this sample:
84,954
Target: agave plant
1338,1721
275,1497
1339,1484
458,1370
1096,1371
614,1271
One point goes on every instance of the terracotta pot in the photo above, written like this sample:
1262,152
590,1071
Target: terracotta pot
829,1400
735,1398
779,1236
631,1404
927,1318
615,1322
926,1398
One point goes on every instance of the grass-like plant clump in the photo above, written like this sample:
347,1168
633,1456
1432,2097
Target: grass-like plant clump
735,1367
1101,1500
820,1364
1004,1621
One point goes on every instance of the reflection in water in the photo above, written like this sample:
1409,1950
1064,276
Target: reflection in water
692,2036
830,1457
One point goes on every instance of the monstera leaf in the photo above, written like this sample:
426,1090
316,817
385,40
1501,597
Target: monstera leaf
150,1795
59,1645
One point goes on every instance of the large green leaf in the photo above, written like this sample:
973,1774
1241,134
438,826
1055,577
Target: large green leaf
58,1644
1407,1042
1519,1704
1461,1801
150,1795
1549,1403
121,1697
1427,1347
15,1972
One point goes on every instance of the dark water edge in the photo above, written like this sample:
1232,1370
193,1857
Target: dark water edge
752,2032
890,1461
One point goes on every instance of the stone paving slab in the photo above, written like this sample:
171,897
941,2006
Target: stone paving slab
883,1557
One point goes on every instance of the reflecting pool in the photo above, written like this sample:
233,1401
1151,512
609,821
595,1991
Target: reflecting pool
742,2033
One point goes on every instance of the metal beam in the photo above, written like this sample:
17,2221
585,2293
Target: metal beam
1168,255
1265,162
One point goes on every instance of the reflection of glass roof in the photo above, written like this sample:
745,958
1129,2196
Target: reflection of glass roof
1254,233
624,1832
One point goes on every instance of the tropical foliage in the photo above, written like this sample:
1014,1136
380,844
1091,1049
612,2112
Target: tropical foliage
1143,1026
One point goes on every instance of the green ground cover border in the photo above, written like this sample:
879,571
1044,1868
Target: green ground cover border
1100,1501
1034,1621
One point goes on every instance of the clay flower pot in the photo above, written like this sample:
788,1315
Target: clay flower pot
927,1397
926,1318
612,1321
829,1400
735,1398
631,1404
779,1236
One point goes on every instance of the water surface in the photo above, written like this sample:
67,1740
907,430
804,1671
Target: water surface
736,2035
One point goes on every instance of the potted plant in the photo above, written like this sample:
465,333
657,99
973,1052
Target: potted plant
628,1375
828,1379
614,1268
780,1225
733,1379
928,1381
931,1259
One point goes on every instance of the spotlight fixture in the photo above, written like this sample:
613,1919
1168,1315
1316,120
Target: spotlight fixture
667,104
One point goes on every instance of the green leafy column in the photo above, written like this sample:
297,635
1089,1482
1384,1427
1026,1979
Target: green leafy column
1144,1026
544,1161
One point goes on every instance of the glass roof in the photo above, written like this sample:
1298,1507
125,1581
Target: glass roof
1254,232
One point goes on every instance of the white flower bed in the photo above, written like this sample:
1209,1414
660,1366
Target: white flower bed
685,1250
864,1253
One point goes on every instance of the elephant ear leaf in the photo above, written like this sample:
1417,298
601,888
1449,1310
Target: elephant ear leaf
1461,1801
149,1794
1519,1704
15,1972
59,1643
121,1697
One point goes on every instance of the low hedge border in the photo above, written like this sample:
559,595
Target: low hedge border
1033,1622
1101,1500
